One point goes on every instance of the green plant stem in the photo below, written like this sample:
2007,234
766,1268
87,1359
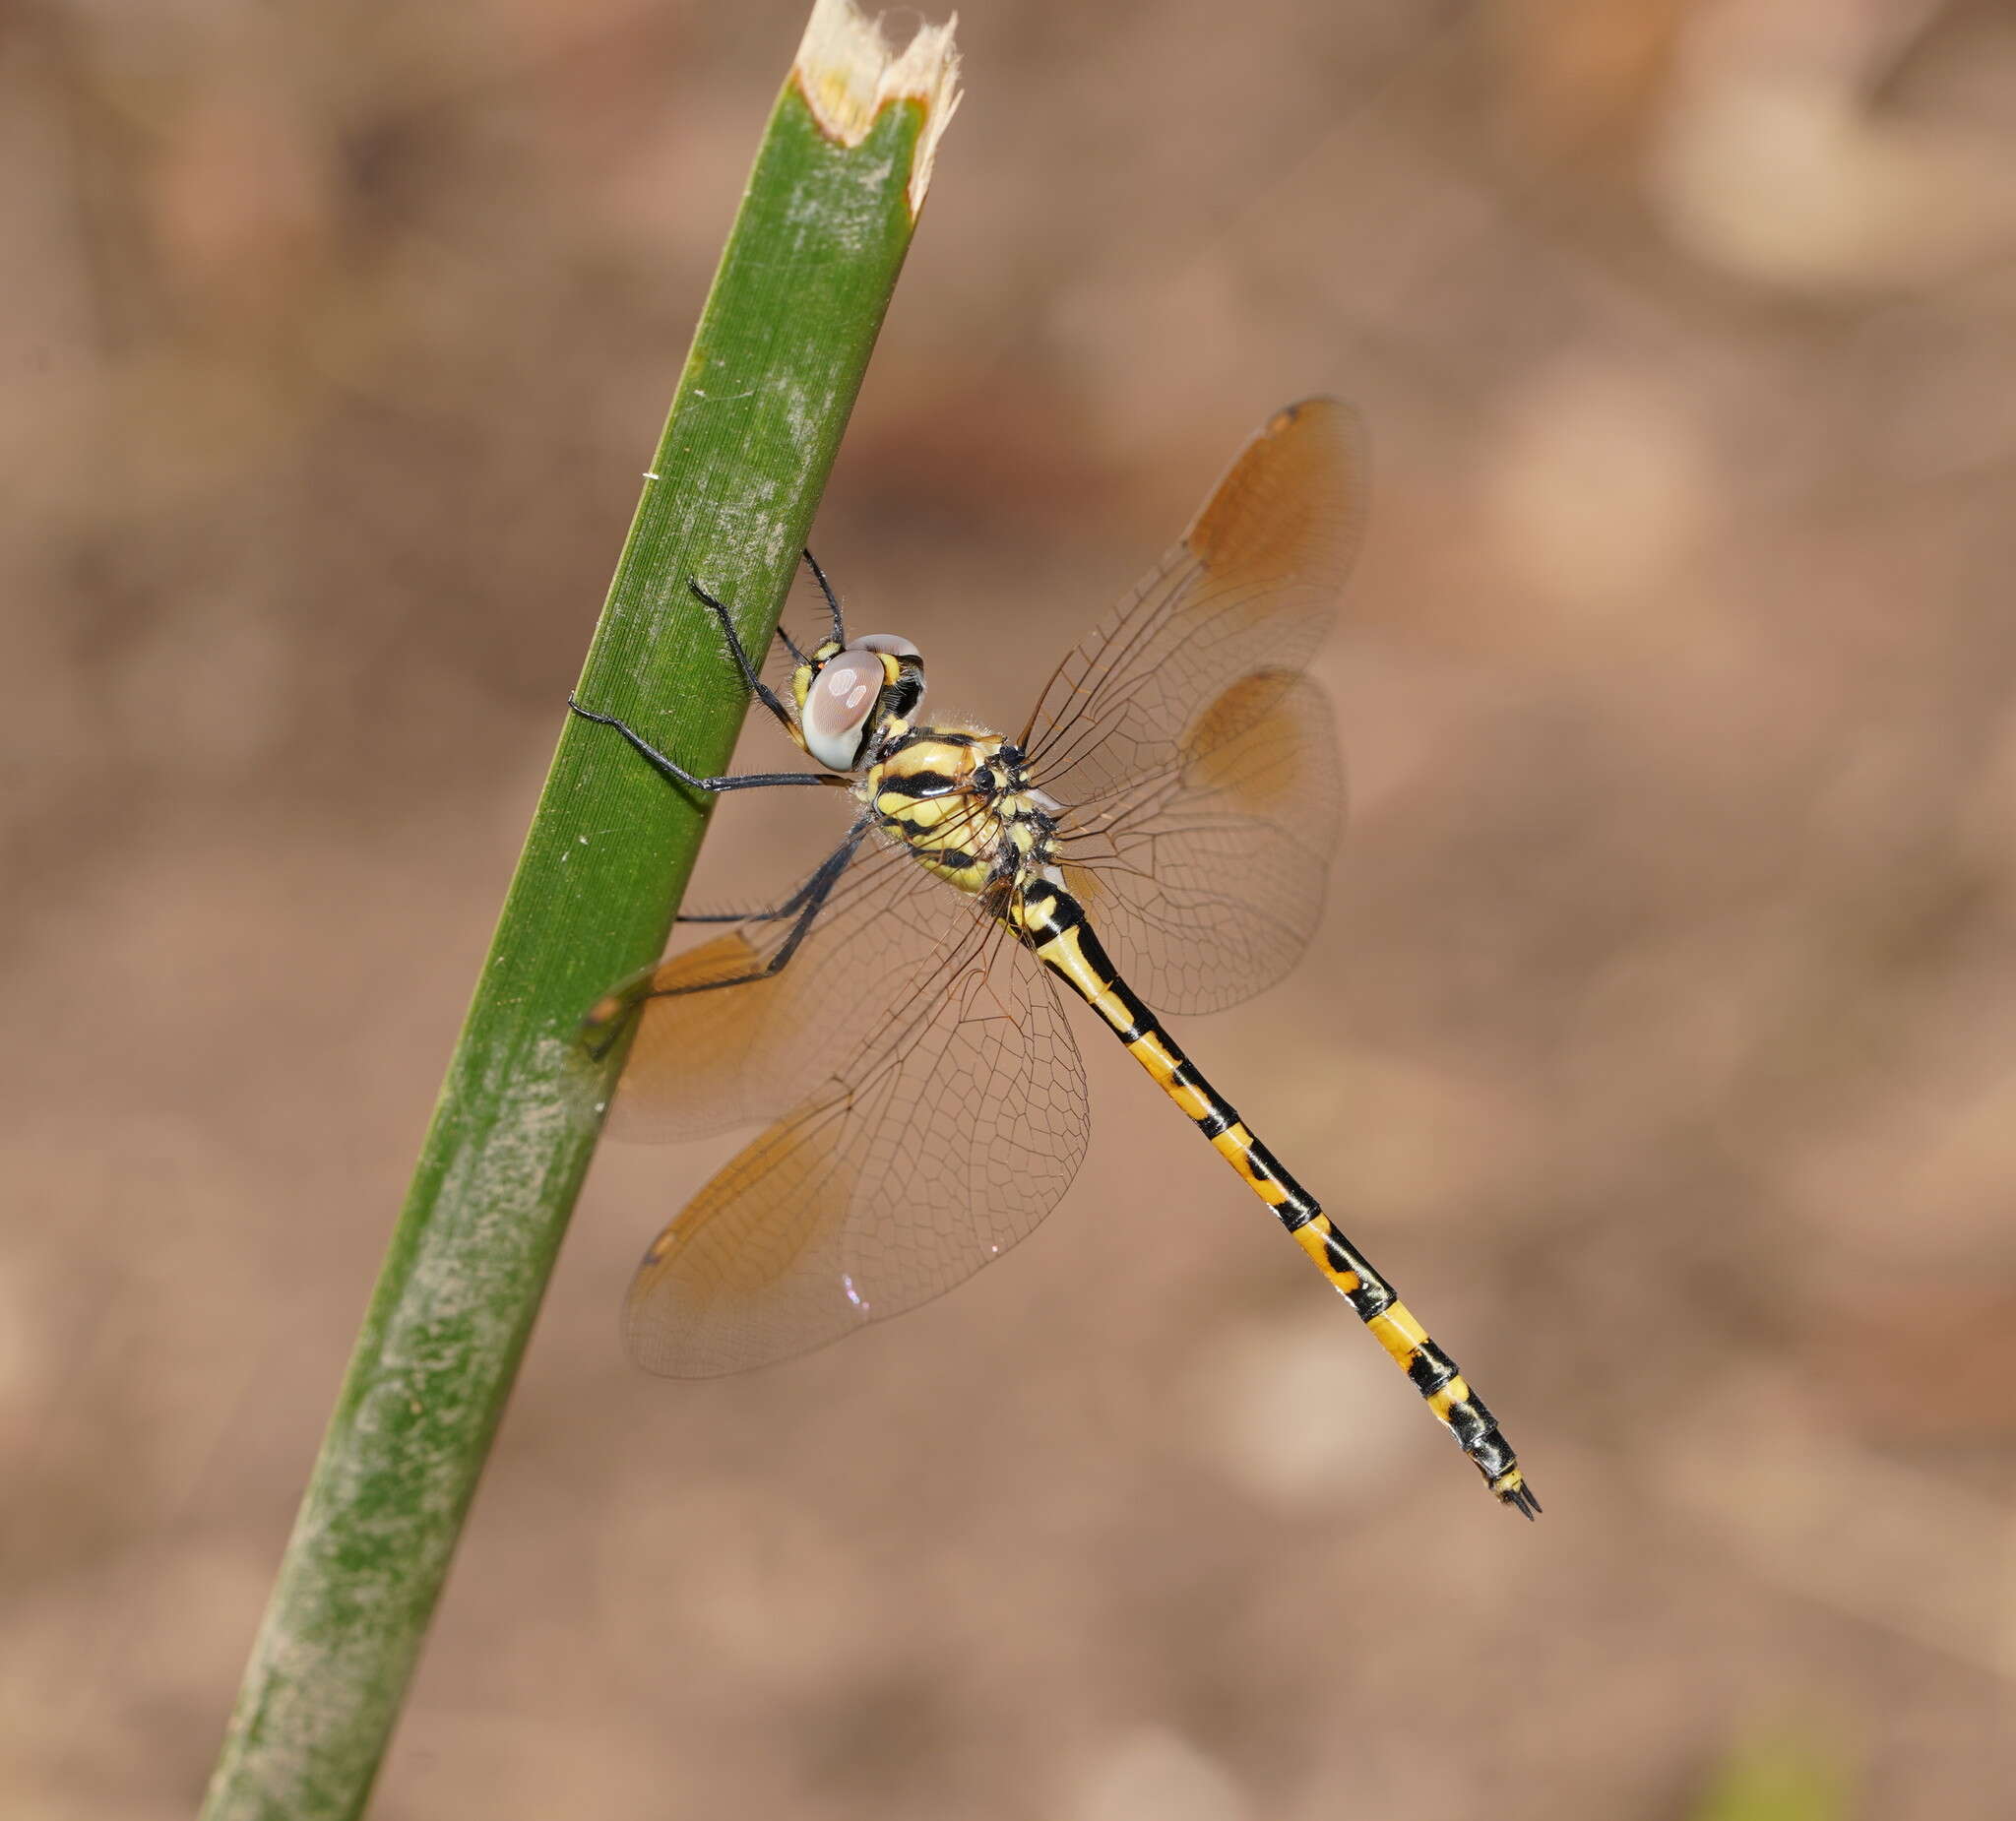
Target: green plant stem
766,392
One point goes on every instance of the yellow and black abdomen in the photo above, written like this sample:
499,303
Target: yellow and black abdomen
1053,925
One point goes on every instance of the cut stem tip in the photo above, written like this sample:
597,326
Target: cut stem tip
848,72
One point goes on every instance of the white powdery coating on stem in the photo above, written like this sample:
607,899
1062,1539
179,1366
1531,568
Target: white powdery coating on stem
848,74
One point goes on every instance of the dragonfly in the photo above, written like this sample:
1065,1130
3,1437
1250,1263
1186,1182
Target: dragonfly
1159,834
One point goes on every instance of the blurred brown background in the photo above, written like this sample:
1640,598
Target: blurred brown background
1657,1038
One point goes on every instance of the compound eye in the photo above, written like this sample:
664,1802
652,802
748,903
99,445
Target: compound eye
892,643
838,706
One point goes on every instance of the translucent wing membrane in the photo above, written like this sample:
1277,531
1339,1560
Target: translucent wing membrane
732,1054
1252,587
1199,774
928,1152
1206,880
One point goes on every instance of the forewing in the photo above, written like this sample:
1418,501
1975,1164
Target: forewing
1205,880
933,1149
1253,588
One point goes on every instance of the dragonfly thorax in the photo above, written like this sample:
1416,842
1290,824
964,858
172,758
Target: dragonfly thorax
960,799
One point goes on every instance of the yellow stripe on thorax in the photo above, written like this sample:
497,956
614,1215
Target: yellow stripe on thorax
956,823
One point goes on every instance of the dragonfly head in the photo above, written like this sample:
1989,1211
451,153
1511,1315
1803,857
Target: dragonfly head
847,696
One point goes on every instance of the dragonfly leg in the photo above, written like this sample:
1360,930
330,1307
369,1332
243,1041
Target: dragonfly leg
832,599
607,1016
788,908
757,686
791,645
791,907
678,773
